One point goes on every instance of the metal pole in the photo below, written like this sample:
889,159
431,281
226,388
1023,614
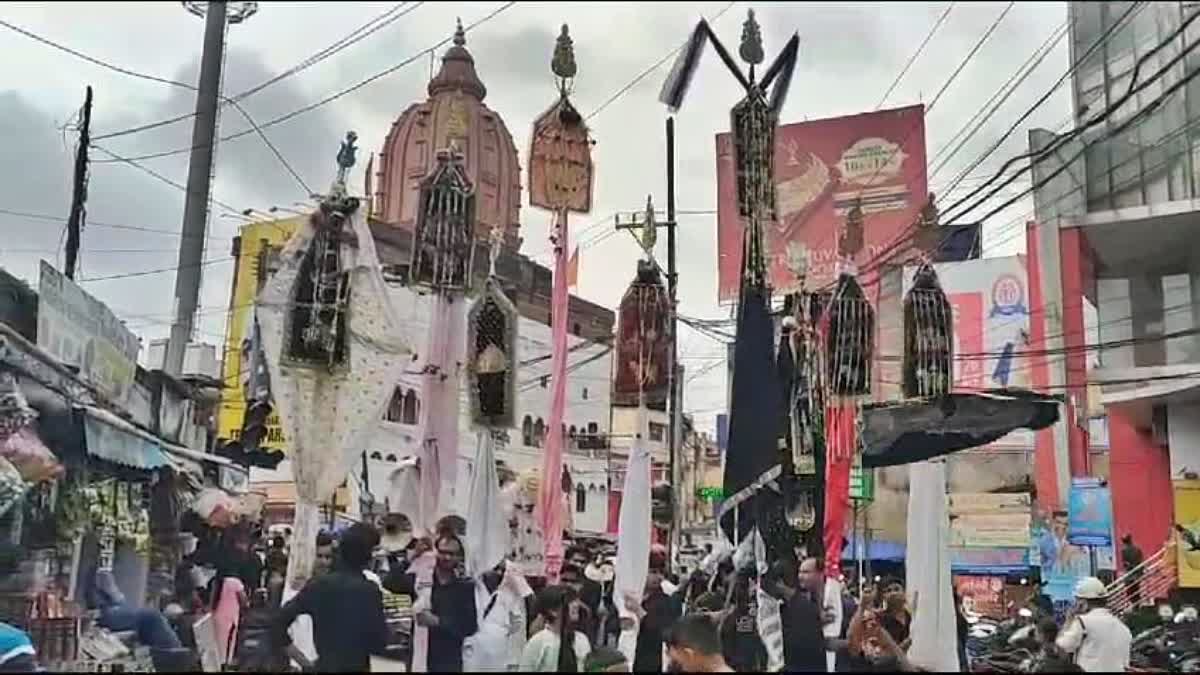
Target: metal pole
195,205
673,390
79,187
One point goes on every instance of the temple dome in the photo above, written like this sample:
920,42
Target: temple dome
455,114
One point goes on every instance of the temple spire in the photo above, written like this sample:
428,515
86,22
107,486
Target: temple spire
460,35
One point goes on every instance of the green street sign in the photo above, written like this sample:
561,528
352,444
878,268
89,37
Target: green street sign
862,484
710,494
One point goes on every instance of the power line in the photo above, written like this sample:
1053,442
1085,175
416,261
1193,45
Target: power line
998,99
1136,6
164,270
336,95
917,54
164,179
352,38
93,60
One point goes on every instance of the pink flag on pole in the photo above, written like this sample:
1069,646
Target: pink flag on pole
550,495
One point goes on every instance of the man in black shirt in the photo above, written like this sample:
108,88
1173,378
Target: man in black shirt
803,636
451,617
346,609
658,612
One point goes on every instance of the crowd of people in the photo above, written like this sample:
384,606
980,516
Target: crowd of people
702,621
706,620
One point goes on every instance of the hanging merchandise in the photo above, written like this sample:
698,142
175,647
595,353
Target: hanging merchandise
12,486
15,413
31,457
928,337
335,350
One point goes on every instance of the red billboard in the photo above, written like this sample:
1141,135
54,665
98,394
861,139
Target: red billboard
821,168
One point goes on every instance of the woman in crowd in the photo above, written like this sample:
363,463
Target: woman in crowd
226,601
543,653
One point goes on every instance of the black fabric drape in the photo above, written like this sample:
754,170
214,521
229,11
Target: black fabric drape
917,430
753,451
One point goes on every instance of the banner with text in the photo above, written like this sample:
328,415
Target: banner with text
83,332
822,168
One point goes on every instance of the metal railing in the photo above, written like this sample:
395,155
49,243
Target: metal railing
1145,584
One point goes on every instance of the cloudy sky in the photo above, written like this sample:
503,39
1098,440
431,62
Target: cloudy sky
849,55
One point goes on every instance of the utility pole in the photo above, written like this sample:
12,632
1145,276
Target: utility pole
80,186
674,411
200,166
675,423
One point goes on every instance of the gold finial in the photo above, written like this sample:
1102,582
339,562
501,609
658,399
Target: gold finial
563,63
460,35
751,49
496,240
649,228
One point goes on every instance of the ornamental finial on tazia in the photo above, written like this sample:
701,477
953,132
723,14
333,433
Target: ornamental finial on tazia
751,49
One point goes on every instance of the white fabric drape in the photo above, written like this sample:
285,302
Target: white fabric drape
327,415
928,577
633,535
488,537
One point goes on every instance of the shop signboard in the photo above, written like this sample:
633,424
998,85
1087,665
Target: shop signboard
1089,521
862,484
259,244
982,594
82,332
985,520
1187,518
989,561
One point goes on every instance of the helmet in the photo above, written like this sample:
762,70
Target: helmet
1090,588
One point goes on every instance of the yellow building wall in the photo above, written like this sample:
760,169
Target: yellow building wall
255,237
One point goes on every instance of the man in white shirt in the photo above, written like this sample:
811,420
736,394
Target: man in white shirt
1099,640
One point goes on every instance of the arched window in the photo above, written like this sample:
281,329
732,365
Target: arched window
585,393
580,498
377,456
392,459
395,409
411,407
593,429
539,432
527,431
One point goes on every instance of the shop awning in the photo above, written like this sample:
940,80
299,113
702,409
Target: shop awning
112,439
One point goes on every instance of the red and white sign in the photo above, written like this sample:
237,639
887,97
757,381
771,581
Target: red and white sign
821,168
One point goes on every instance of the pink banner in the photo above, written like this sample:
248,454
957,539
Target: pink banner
439,391
550,496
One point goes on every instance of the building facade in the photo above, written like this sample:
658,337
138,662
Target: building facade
1115,228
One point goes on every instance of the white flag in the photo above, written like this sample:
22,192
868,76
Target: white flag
487,526
633,534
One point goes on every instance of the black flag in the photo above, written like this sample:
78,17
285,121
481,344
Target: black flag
752,464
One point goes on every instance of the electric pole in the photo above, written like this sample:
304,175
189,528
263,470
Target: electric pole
200,168
674,406
79,186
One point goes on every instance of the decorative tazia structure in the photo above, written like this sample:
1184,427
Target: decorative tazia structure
491,375
334,349
927,368
801,347
848,330
560,181
443,256
752,493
